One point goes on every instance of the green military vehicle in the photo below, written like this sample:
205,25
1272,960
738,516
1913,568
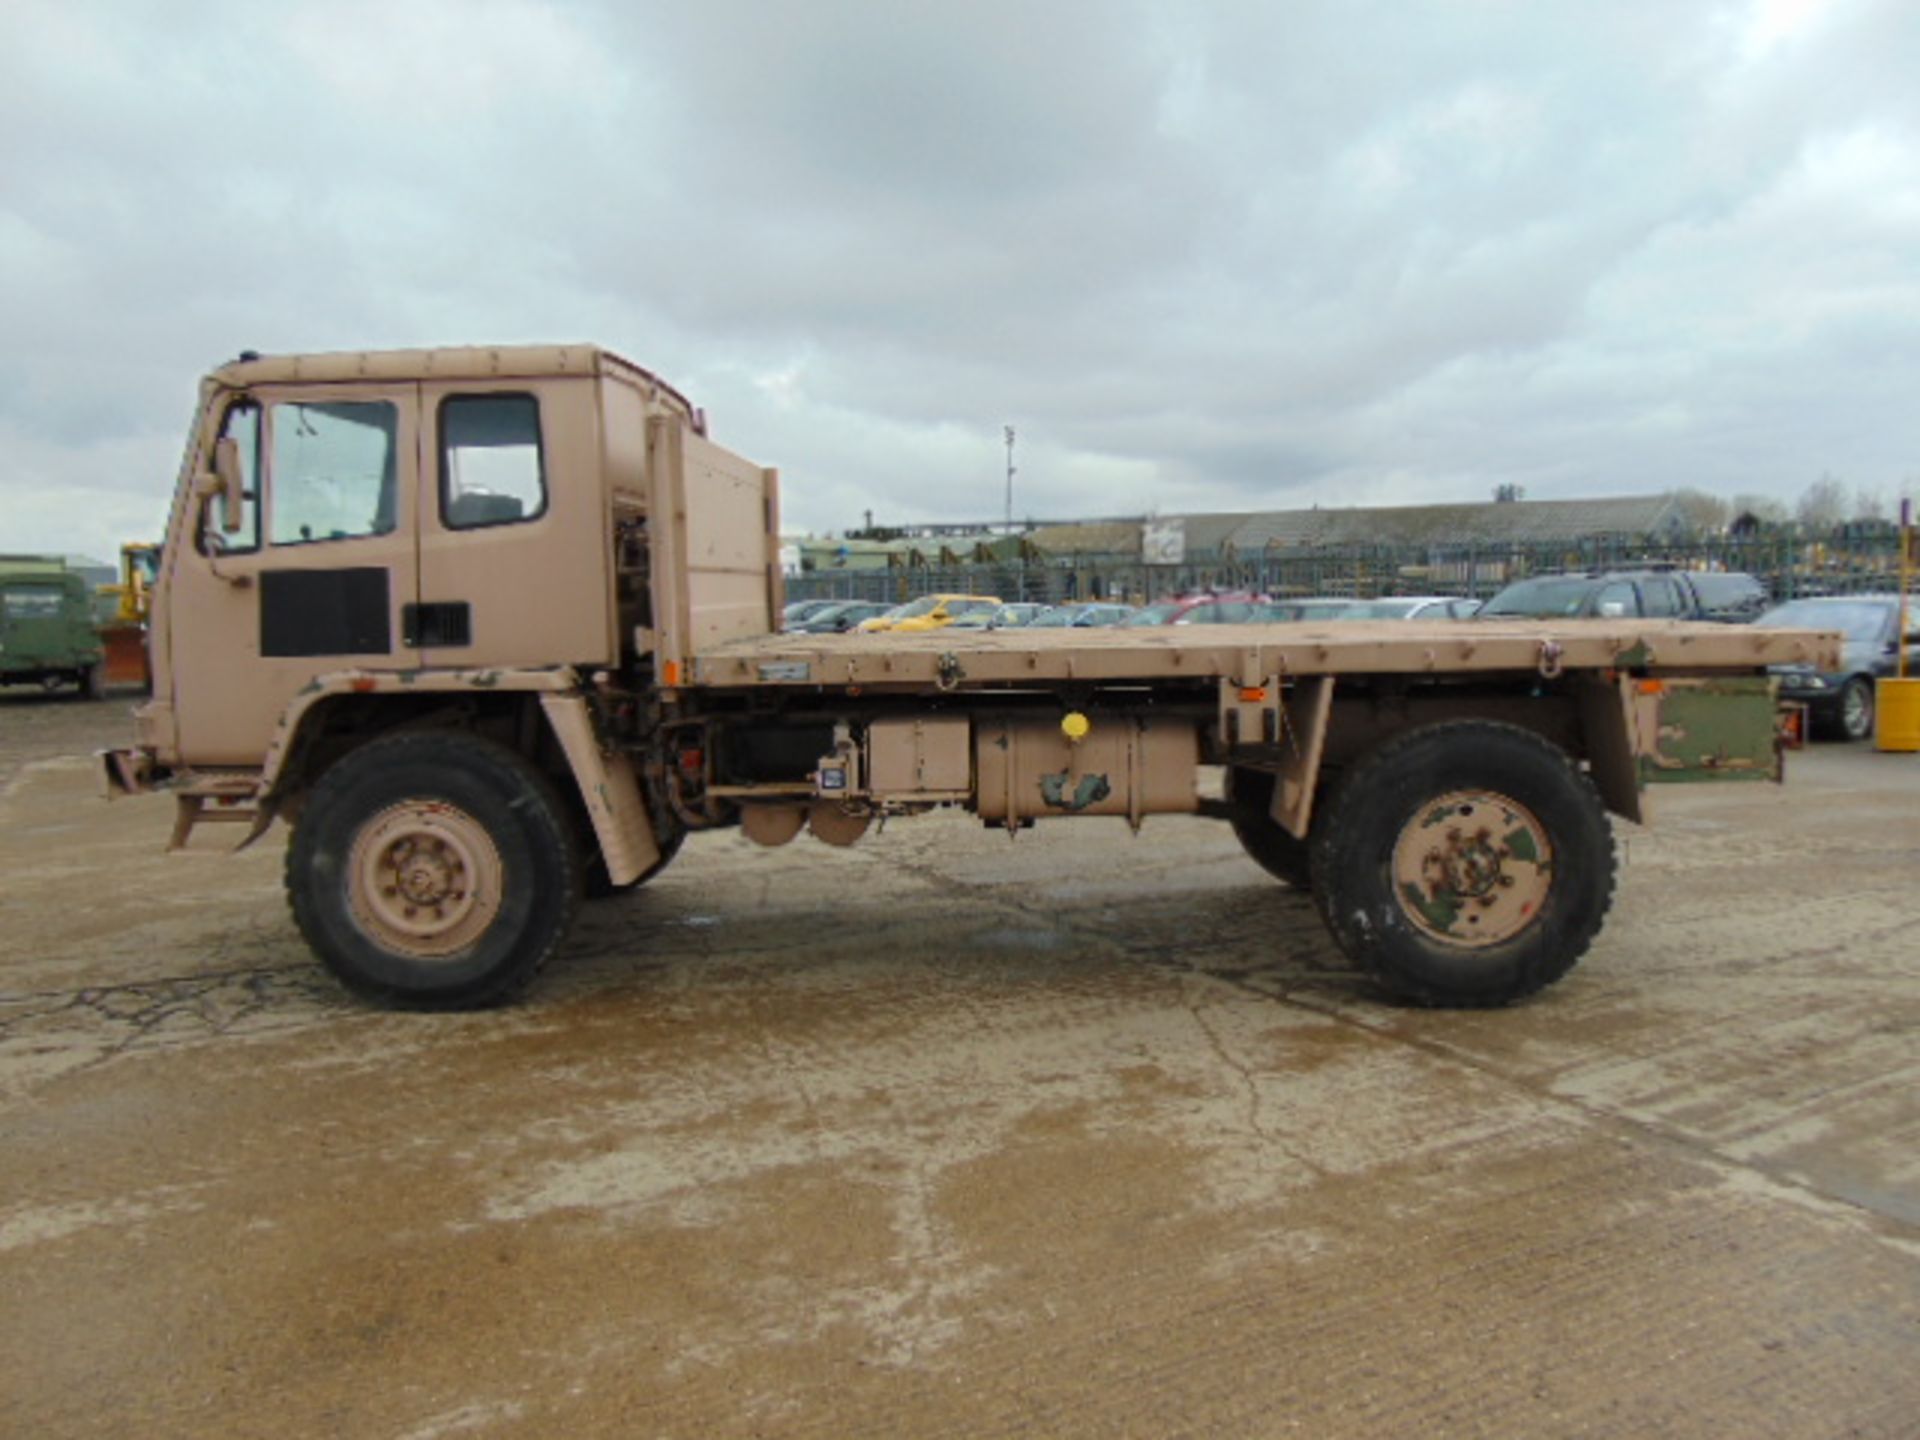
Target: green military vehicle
47,635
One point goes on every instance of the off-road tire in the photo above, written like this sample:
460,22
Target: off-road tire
500,803
93,682
599,887
1249,798
1390,792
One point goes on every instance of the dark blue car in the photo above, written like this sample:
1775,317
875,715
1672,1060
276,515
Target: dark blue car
1841,702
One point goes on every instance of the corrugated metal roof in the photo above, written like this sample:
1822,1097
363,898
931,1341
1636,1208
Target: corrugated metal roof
1491,522
1104,537
1485,522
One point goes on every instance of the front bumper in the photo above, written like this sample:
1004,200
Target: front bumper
128,772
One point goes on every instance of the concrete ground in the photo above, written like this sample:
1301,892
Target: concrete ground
1081,1134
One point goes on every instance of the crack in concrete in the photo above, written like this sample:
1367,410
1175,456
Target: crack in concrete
1813,1196
1809,1195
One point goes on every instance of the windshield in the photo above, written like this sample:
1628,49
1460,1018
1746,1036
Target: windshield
1154,614
1555,596
22,602
1861,620
925,605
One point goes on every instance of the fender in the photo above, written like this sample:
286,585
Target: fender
609,786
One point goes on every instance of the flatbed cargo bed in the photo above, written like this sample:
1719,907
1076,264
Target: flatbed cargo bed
959,659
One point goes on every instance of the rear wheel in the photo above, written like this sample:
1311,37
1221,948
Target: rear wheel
1249,801
1465,864
435,870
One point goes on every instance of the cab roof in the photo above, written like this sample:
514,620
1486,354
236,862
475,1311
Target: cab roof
461,362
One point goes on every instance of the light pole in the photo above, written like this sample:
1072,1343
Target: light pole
1009,431
1020,582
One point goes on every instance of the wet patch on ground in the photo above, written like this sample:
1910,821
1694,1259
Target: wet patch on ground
948,1134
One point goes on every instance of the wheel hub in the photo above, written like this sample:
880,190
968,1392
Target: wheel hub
1472,868
1858,709
424,879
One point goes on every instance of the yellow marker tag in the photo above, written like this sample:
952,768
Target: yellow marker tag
1075,726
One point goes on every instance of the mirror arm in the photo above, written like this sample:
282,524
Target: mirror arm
207,488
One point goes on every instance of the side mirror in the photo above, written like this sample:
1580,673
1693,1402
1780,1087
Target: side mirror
224,480
226,469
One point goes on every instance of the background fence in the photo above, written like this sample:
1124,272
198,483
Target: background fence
1788,564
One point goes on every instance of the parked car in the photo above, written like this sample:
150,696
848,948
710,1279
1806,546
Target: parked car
839,617
1729,595
931,612
1642,594
1232,607
1841,702
1007,617
1082,617
801,610
1318,607
1419,607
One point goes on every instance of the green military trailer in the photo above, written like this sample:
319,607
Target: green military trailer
47,634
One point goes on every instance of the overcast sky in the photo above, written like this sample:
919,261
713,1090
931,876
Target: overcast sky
1203,257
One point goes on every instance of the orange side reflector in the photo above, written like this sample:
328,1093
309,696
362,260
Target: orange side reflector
1791,721
1252,694
1652,687
362,686
672,671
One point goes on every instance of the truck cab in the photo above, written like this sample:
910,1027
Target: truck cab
407,512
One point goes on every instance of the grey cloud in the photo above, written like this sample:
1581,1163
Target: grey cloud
1231,256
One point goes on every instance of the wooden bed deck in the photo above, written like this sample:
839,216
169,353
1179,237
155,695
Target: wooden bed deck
968,659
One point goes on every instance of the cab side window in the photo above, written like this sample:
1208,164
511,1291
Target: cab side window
241,425
334,472
492,470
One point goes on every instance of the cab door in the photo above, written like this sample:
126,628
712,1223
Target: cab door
320,574
515,553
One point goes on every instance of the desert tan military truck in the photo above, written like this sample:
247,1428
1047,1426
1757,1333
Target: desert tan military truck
493,629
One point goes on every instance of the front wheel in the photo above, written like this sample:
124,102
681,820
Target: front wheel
436,870
1465,864
1855,713
93,682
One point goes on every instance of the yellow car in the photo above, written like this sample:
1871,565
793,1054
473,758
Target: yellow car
930,612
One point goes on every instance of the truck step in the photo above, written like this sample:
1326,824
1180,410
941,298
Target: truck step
192,810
